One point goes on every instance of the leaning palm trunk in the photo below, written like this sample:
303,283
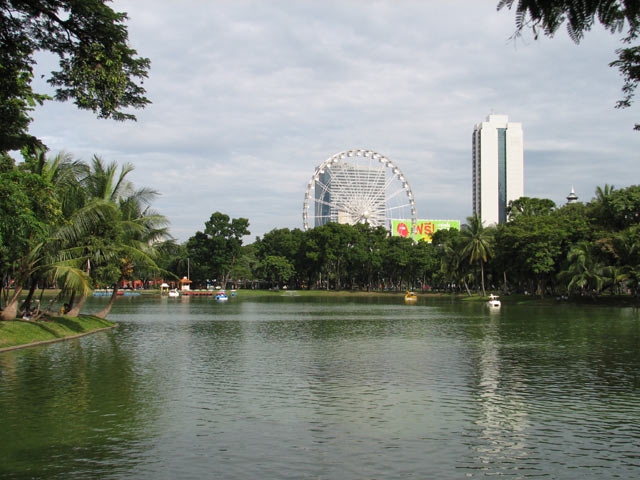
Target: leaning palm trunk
466,286
484,293
77,307
11,310
105,311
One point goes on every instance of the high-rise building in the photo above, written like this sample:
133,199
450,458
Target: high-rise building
498,167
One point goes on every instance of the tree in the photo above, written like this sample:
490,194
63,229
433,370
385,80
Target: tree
62,173
452,264
138,231
29,211
216,250
477,242
282,242
625,246
126,235
615,15
98,70
615,210
365,256
530,206
276,269
396,257
246,265
584,270
425,262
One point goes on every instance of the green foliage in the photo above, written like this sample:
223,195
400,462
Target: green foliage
276,269
477,243
97,69
584,271
530,206
215,251
29,211
530,247
74,225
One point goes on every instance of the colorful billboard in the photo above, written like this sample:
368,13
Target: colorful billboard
423,229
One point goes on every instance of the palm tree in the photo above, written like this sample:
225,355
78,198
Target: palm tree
477,241
602,194
584,270
452,263
139,231
57,181
62,172
626,247
127,224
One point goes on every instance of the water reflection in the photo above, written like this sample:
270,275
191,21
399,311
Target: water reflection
71,408
314,388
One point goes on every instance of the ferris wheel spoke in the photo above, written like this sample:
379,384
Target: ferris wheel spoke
396,193
357,186
323,187
367,177
336,181
324,202
396,213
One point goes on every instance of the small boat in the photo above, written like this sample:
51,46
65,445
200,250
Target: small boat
221,296
102,293
173,293
234,293
493,301
410,297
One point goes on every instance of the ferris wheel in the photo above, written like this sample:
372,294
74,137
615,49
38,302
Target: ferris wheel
358,186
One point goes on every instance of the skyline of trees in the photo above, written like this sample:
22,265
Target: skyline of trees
580,248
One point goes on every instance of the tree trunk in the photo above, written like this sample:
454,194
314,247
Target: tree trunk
26,305
484,293
11,309
105,311
75,309
464,281
72,300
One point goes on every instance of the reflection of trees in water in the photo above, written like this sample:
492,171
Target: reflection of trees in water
76,406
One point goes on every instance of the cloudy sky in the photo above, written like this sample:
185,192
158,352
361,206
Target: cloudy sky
250,96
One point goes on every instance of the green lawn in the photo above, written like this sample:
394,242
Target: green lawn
21,332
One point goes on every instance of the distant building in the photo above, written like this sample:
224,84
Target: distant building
572,197
498,167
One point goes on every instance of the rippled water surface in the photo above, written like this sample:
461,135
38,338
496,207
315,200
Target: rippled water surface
297,387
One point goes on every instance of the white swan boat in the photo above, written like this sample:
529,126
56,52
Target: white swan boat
493,301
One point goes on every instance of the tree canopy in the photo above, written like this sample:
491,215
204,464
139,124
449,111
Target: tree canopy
215,251
98,70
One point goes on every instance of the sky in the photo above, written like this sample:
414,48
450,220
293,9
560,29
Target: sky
250,96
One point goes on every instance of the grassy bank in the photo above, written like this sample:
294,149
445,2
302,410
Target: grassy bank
24,333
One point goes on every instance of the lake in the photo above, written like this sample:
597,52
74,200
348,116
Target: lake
295,387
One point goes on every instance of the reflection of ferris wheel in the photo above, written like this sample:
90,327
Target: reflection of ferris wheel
358,186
